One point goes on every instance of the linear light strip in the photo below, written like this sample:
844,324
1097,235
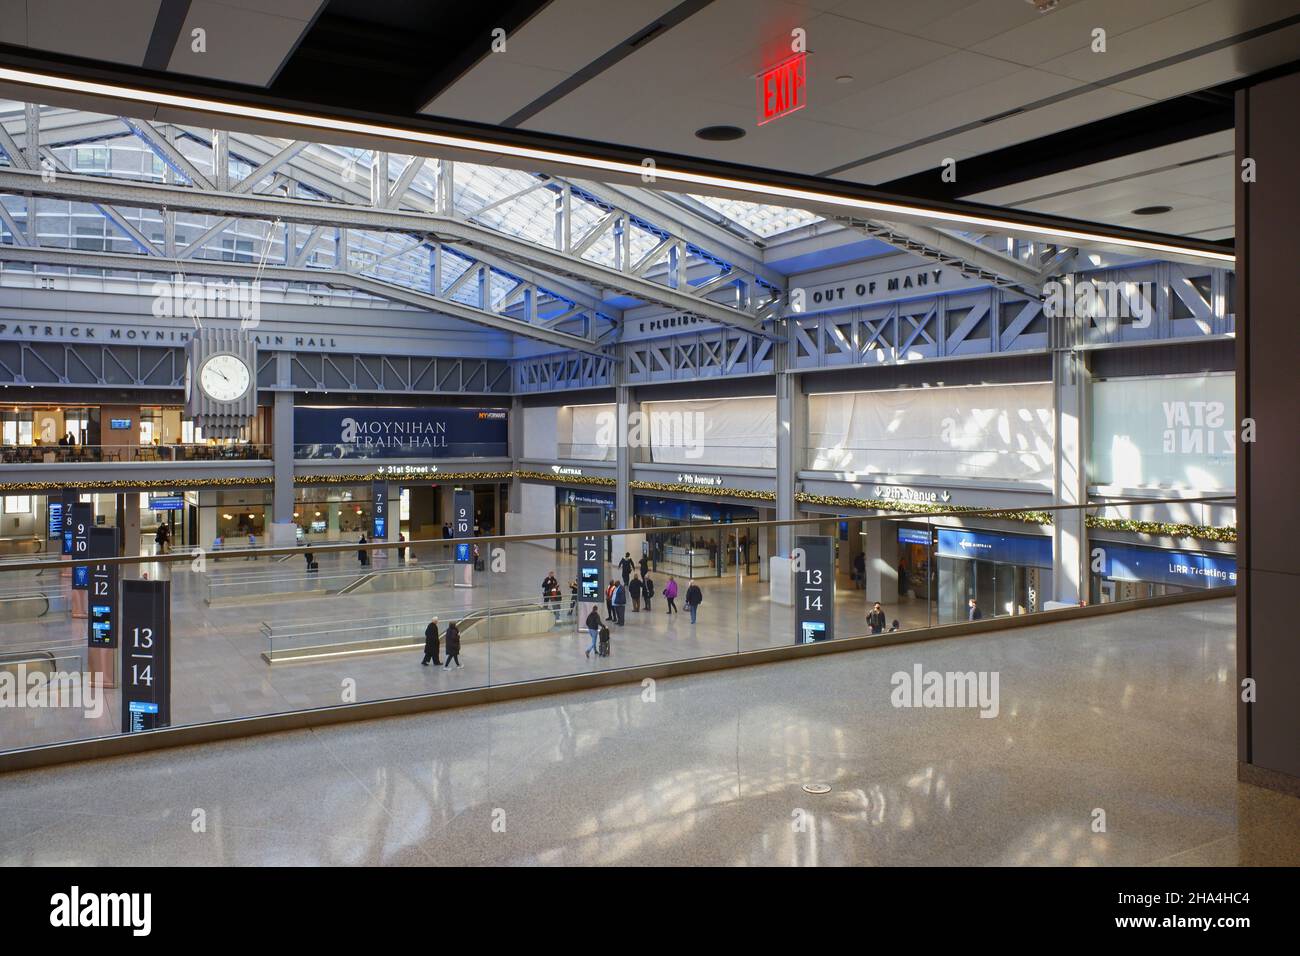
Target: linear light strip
760,191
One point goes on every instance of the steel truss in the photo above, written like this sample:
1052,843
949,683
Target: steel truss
287,186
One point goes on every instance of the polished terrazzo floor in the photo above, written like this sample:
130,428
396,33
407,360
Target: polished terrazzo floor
1131,714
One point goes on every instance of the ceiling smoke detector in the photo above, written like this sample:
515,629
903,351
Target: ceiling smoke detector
1044,6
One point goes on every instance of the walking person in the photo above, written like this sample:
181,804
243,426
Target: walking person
694,597
902,579
670,594
453,645
609,601
431,643
401,552
363,556
625,566
860,570
647,589
593,628
160,538
645,565
876,618
634,588
309,558
550,584
573,597
973,611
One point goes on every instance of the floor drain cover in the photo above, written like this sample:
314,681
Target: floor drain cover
816,788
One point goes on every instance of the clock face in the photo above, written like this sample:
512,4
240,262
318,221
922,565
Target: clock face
224,378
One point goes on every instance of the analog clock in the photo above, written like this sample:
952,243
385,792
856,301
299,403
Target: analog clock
224,377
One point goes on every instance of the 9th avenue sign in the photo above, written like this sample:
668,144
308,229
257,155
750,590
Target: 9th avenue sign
900,493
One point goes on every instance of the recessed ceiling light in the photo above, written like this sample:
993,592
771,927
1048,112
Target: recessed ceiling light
845,78
1152,210
720,134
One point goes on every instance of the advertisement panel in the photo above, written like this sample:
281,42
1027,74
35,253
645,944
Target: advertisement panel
335,432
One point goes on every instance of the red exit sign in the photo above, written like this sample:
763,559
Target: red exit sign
783,89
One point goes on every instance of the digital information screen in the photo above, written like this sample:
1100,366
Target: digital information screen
814,608
463,553
146,655
101,619
54,518
83,520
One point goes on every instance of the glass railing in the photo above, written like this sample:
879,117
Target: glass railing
253,633
100,454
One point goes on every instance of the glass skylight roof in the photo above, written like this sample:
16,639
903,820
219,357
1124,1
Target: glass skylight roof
762,220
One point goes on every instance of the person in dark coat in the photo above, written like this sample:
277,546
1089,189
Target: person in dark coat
634,591
593,628
645,565
694,598
902,579
626,566
362,555
620,604
550,584
973,612
876,618
453,645
309,558
647,589
431,643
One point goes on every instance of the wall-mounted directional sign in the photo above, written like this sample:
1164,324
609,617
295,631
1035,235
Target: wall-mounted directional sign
83,519
814,608
101,618
146,655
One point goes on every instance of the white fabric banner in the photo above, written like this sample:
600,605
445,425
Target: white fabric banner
740,432
592,433
995,432
1172,432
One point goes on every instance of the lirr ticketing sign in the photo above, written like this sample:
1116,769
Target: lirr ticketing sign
814,607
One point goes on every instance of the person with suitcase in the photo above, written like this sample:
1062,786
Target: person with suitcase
604,641
594,627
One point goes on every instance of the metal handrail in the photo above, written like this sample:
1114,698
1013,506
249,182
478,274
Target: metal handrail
958,512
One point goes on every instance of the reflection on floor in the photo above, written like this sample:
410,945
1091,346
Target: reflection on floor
1129,714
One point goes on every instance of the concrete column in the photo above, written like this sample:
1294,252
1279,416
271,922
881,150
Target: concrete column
282,502
515,438
128,519
393,525
791,439
877,573
207,519
764,535
1268,510
625,405
1070,475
